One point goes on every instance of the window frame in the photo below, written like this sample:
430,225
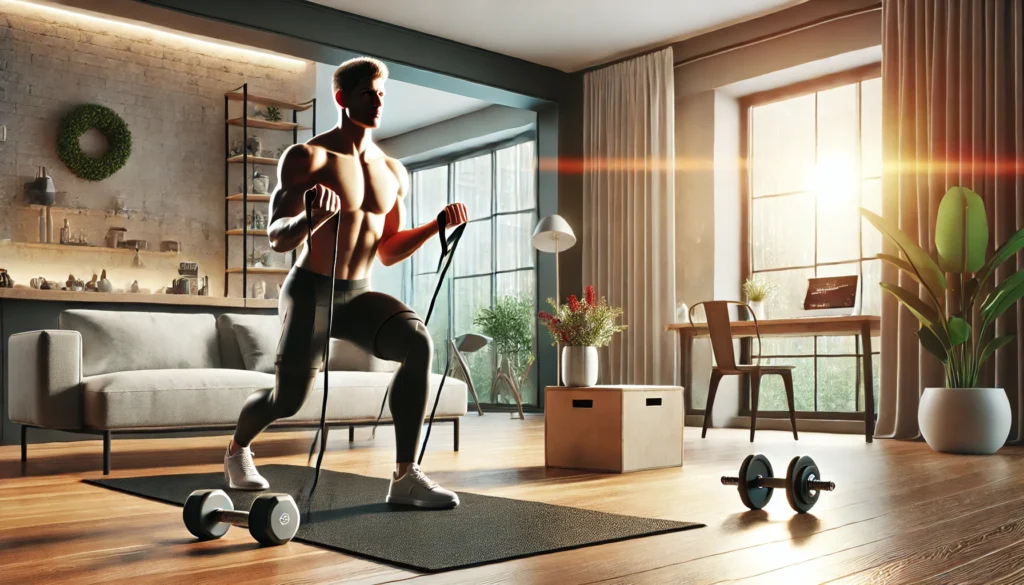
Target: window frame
448,162
747,103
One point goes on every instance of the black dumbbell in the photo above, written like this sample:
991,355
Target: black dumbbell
273,518
802,483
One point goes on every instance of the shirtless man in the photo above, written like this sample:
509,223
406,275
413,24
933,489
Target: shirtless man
350,181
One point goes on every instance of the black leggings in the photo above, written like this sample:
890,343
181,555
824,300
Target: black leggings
378,323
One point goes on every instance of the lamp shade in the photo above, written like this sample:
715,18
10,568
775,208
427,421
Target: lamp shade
553,234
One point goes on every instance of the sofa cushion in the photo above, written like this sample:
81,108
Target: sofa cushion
155,399
258,344
264,332
117,341
230,350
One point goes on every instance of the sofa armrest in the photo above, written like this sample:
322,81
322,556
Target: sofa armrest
44,379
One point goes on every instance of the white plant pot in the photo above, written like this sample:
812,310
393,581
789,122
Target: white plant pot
579,365
758,307
964,420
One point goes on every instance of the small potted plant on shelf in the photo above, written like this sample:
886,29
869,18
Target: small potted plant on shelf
961,417
582,327
758,289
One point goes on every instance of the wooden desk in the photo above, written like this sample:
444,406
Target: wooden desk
863,326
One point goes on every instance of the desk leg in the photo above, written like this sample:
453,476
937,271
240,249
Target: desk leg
686,365
869,394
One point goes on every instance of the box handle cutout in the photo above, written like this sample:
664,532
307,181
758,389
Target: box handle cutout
654,402
583,404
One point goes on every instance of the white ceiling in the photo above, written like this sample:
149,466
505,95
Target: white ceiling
408,107
565,34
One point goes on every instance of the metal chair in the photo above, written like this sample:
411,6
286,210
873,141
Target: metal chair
468,343
720,330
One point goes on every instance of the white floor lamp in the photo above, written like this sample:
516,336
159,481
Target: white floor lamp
553,234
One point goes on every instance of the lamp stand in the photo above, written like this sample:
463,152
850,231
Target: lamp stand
558,301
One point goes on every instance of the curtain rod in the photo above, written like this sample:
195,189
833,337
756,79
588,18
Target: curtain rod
779,34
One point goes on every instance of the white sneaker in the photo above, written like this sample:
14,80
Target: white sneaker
240,472
416,489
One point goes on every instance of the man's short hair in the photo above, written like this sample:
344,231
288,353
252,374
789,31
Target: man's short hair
351,72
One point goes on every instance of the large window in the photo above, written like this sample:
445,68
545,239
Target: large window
495,258
814,158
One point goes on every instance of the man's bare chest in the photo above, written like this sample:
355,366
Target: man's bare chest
371,182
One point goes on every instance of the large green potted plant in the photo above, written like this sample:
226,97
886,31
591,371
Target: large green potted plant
959,418
509,324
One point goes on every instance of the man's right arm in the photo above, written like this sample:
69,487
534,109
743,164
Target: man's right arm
288,226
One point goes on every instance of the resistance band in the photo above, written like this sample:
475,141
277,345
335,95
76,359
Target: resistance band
448,246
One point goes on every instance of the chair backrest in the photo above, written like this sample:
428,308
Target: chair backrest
720,330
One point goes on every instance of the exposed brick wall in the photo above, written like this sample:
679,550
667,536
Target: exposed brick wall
171,94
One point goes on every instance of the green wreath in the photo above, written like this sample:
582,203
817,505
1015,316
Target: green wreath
80,121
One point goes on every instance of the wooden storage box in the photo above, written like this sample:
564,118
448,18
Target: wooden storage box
613,428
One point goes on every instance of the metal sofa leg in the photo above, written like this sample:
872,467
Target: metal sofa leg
106,452
456,434
24,443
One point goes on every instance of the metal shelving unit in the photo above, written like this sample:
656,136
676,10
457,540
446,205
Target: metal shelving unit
244,121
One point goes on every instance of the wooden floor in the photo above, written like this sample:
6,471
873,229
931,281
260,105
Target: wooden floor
900,513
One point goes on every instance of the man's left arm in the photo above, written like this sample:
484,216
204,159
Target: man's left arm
396,243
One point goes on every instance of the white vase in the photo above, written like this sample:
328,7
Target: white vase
579,365
758,307
964,420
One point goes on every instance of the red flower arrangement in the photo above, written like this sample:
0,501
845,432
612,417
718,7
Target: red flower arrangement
582,323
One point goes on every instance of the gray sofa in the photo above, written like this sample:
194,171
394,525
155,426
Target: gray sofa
106,372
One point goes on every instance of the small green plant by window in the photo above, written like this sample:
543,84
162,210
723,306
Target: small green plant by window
758,289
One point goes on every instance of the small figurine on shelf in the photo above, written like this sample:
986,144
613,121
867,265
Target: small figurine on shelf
260,183
5,279
91,286
135,286
104,285
254,146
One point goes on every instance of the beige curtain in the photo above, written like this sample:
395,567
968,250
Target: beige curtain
953,114
629,209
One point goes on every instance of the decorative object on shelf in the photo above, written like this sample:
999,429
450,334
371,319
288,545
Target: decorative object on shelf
170,246
113,128
260,183
41,191
65,232
136,244
42,225
190,271
758,289
205,290
681,312
254,146
181,286
104,285
582,326
259,288
553,234
36,282
236,148
259,222
114,236
137,260
93,285
135,286
73,283
272,114
961,417
5,279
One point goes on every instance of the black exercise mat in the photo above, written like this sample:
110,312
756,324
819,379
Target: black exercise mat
348,513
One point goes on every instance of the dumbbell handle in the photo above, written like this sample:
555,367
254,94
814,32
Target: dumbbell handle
238,518
780,483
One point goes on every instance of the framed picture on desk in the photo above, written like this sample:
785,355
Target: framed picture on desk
832,295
